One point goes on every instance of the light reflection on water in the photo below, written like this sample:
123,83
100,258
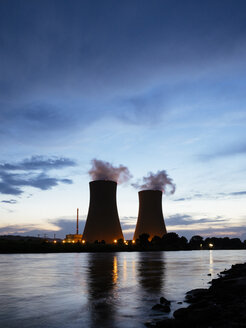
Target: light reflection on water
100,289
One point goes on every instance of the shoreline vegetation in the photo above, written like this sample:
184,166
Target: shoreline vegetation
169,242
222,305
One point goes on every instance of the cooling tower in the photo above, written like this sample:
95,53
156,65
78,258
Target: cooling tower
150,217
102,221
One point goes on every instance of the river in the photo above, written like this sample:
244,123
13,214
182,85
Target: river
106,290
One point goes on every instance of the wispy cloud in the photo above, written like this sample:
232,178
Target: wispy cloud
194,196
232,150
211,196
179,220
10,201
38,163
238,193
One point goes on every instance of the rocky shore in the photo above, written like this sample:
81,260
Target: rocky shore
223,304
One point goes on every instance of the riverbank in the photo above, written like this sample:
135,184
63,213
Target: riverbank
169,242
221,305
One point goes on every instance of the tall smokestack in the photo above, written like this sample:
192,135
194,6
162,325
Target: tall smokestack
77,230
150,216
102,221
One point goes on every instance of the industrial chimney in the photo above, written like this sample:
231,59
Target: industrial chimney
150,216
102,221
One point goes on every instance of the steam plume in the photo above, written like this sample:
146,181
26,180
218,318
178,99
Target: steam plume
105,171
157,181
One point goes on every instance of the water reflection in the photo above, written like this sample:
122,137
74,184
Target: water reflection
151,269
100,290
211,262
124,269
102,280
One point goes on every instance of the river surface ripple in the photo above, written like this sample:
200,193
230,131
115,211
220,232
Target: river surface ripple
106,290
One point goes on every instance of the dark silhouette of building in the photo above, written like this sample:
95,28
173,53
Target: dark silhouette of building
102,221
150,217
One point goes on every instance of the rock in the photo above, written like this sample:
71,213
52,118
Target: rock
163,300
181,313
166,308
199,305
169,323
162,308
222,305
205,314
195,295
149,324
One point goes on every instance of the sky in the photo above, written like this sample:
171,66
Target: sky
150,85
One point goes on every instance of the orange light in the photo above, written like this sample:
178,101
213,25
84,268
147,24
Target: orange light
83,241
133,241
115,241
211,245
54,241
63,241
73,241
126,242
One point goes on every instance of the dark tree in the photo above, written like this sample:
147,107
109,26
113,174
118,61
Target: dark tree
156,240
170,241
196,242
144,240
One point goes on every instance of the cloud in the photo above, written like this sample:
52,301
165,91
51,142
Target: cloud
195,196
238,193
38,163
68,225
32,173
128,225
7,189
138,108
229,151
62,227
11,201
24,230
211,196
178,220
63,66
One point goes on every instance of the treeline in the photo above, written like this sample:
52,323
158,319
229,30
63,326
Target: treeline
172,242
169,242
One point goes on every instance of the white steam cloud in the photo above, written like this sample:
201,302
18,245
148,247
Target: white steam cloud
157,181
105,171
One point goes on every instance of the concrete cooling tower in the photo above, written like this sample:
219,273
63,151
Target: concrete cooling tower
102,221
150,216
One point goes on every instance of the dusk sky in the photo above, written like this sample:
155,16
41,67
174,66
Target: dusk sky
148,84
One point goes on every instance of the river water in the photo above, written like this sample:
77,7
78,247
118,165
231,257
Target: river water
106,290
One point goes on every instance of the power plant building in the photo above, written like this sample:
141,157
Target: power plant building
150,217
74,238
103,220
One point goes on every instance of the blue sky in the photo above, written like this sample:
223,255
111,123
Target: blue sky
152,85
